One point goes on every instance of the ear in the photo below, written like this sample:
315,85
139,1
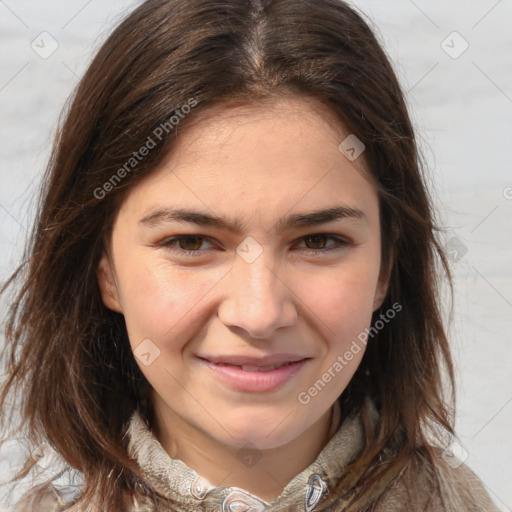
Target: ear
380,293
107,284
386,270
382,285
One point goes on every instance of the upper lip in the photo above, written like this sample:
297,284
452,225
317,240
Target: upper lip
269,360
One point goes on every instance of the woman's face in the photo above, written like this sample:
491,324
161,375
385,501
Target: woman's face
256,243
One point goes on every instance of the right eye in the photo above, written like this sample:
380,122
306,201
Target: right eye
189,245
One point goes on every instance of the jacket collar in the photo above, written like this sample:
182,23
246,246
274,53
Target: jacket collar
186,490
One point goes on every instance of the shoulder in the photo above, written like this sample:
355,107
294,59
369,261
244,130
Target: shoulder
461,487
43,498
49,498
440,486
55,495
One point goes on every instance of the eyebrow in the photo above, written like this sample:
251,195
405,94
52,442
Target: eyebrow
296,220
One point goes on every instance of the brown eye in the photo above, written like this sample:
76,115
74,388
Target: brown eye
316,244
190,243
317,241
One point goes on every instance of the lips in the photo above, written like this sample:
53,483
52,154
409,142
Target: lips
256,368
255,375
259,362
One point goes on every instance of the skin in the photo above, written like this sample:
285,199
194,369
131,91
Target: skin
255,164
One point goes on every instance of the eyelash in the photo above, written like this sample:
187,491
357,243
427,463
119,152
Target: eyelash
171,244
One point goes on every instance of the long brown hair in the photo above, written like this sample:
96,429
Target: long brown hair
69,363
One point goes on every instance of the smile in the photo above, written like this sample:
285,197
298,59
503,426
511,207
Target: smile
252,378
254,368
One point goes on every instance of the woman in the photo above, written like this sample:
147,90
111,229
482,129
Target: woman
230,301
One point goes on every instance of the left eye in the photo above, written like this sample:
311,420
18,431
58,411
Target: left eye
318,242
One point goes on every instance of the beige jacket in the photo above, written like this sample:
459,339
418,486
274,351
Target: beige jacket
185,490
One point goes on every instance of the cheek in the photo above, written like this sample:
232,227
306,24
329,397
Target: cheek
341,300
160,303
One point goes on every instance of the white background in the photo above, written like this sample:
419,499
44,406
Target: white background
462,108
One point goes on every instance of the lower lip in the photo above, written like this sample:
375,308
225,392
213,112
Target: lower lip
255,382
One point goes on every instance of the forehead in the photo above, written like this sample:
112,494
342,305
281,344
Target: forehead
258,158
289,120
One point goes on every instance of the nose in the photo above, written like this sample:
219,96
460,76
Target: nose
257,299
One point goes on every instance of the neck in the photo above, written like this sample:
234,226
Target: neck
263,473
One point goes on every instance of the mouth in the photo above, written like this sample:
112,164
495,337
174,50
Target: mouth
256,368
255,376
